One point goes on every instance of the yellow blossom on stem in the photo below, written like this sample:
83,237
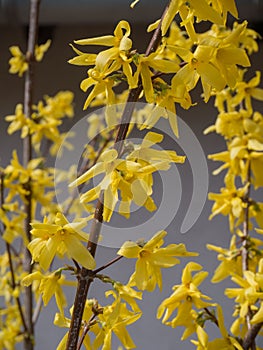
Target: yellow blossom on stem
246,296
126,293
144,66
60,238
183,299
231,261
49,285
165,104
18,121
40,50
151,257
230,201
114,319
106,63
120,45
187,11
246,91
18,63
131,176
13,225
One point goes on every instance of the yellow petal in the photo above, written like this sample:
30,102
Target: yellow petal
156,240
29,279
97,169
107,40
151,138
211,75
233,56
91,195
108,156
147,82
78,252
129,250
84,59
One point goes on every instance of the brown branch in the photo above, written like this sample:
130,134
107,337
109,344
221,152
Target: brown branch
85,276
250,337
27,156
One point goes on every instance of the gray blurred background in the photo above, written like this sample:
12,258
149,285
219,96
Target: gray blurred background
63,22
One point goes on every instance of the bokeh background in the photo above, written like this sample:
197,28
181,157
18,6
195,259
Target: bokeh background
64,21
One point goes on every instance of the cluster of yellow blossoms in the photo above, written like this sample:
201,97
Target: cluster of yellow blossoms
242,128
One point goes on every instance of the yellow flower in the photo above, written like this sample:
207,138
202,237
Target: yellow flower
144,66
59,238
131,176
114,319
120,45
184,298
247,91
214,61
18,62
151,258
230,124
230,202
13,225
17,178
165,104
187,11
176,37
126,293
231,261
41,49
49,285
56,107
18,121
106,62
225,6
245,296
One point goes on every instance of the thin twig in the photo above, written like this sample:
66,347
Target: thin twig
212,316
85,275
37,310
85,331
103,267
13,285
27,156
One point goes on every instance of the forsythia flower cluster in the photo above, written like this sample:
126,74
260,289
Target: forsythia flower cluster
18,63
242,128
